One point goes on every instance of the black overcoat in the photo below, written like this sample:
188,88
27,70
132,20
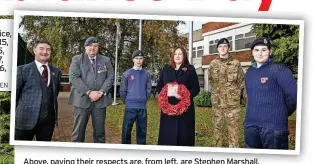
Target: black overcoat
178,130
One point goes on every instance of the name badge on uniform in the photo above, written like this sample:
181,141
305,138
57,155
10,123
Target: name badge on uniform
101,68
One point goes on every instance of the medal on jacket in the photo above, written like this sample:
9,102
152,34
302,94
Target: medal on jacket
101,68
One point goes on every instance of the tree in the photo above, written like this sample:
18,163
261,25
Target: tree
285,43
6,150
6,16
68,34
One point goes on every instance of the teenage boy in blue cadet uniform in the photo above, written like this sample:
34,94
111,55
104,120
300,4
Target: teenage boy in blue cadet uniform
272,98
135,90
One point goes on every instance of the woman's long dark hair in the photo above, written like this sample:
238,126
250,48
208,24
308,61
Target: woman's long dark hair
185,57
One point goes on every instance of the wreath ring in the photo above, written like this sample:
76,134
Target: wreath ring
179,108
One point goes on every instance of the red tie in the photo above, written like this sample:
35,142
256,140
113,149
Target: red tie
44,75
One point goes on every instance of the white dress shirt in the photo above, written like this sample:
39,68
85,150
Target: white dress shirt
90,58
41,69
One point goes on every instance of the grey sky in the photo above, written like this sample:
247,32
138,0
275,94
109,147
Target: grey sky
185,28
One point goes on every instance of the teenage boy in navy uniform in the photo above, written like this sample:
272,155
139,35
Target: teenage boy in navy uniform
272,98
135,91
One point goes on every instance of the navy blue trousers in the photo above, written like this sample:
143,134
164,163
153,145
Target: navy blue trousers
140,117
262,138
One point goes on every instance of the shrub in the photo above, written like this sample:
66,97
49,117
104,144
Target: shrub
6,150
203,99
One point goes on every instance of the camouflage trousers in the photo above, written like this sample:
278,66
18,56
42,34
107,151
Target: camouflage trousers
232,118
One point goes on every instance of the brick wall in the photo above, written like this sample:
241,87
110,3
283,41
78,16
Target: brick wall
211,26
242,56
65,87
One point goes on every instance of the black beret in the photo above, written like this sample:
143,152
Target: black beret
261,41
137,53
90,41
223,41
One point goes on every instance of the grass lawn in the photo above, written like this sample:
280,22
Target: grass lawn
203,125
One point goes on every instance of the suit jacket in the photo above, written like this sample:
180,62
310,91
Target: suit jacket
83,78
29,95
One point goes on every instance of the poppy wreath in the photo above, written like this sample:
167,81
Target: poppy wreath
179,108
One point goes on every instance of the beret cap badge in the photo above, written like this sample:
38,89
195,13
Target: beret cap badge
265,41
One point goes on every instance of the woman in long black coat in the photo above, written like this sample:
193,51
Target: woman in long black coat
178,130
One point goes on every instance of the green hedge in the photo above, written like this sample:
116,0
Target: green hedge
6,150
203,99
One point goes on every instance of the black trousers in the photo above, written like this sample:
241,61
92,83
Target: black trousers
43,130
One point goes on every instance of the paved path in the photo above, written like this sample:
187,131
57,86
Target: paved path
63,131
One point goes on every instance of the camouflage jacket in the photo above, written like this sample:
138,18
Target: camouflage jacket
226,79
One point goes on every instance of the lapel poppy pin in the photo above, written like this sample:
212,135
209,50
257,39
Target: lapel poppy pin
184,69
132,77
264,79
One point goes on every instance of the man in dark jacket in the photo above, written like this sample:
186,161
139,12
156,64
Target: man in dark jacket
37,89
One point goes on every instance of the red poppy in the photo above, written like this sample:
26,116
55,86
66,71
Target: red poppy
264,79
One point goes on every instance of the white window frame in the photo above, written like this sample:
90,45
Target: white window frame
198,56
243,37
196,45
242,28
194,50
212,44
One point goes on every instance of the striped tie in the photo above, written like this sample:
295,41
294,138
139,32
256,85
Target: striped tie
93,64
44,75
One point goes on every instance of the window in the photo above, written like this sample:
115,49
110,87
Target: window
239,39
213,46
230,42
249,34
213,49
194,53
240,36
243,41
65,79
200,51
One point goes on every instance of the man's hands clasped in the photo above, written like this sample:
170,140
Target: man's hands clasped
94,95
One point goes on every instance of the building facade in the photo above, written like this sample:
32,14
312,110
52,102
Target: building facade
240,36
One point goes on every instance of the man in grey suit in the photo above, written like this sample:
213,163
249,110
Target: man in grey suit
91,76
37,89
